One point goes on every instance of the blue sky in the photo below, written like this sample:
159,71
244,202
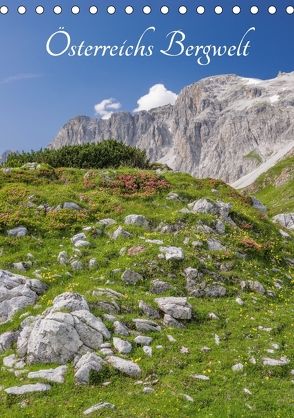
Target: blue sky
39,93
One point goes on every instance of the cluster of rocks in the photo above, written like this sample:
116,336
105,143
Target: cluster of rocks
17,292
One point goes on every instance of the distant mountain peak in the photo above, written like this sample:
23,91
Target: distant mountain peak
222,126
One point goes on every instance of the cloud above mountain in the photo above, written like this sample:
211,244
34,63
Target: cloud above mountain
106,107
158,95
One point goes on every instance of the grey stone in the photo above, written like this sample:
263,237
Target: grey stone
253,286
148,310
93,263
62,258
258,205
88,363
169,321
122,346
159,286
25,389
17,292
98,407
147,350
172,253
120,329
143,340
238,367
107,222
131,277
215,291
177,307
71,206
52,375
120,232
144,325
137,220
7,339
124,366
215,245
266,361
200,377
70,301
285,219
76,265
18,232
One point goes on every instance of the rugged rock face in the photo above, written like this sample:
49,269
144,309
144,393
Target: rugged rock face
221,127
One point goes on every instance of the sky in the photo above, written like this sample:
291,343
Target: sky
39,93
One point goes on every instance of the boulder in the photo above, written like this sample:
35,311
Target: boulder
145,325
285,219
25,389
208,206
98,407
177,307
71,206
258,205
51,375
172,253
122,346
215,245
62,332
124,366
143,340
283,361
253,286
131,277
17,292
137,220
88,363
159,286
120,232
18,232
148,310
7,339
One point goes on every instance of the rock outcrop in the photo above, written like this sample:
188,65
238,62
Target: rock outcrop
222,127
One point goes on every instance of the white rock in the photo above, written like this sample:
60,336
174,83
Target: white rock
143,340
18,232
239,301
237,367
122,346
22,390
200,377
137,220
266,361
52,375
172,253
16,293
125,366
86,364
177,307
98,407
147,350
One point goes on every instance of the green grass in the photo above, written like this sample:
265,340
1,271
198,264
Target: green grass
253,155
275,188
223,395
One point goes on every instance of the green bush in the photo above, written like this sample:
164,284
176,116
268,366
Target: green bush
108,153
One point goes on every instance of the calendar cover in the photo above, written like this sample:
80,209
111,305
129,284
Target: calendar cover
146,208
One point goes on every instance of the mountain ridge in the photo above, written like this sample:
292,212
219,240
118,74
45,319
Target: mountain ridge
213,128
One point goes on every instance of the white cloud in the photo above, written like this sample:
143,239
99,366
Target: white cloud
157,96
105,108
19,77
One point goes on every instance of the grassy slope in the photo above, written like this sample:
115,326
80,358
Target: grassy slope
275,188
223,395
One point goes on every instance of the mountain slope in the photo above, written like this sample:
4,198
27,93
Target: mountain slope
275,188
223,351
220,127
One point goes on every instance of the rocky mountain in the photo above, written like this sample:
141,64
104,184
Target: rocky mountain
222,127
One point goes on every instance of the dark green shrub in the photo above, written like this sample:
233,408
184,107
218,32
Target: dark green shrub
106,154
